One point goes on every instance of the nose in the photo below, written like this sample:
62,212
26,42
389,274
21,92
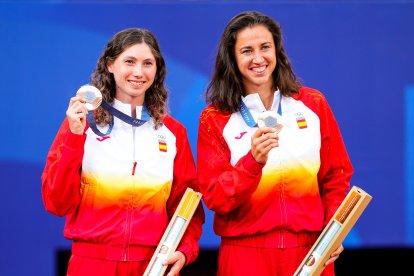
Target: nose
137,70
258,58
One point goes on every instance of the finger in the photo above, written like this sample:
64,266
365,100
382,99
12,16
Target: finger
77,107
262,130
266,139
331,260
76,114
175,257
75,99
337,251
177,260
81,115
267,144
263,142
269,133
265,130
170,260
174,270
271,145
335,255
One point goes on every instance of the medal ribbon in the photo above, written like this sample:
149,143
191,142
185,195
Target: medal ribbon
247,116
122,116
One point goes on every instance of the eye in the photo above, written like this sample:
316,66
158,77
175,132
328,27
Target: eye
266,46
129,61
246,51
148,63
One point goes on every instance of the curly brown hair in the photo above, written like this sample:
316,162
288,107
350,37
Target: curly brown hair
155,97
226,87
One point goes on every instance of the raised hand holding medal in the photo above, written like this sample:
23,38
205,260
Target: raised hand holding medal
87,98
269,138
92,98
266,137
81,107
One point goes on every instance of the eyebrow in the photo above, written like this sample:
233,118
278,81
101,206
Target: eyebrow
249,46
132,57
129,57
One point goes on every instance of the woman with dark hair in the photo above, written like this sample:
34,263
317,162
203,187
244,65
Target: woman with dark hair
119,172
272,164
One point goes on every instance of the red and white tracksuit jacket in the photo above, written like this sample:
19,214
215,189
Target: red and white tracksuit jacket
120,191
303,182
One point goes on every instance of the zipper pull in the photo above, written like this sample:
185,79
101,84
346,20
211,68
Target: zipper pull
133,168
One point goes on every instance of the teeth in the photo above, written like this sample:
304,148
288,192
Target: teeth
136,82
259,69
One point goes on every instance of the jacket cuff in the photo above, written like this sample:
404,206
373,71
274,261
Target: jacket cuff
74,141
187,255
249,163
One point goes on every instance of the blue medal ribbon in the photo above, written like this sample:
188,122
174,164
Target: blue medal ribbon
92,124
122,116
247,116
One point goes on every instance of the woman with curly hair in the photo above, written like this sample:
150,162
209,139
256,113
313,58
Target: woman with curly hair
119,172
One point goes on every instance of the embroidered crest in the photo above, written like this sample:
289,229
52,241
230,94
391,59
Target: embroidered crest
162,143
301,121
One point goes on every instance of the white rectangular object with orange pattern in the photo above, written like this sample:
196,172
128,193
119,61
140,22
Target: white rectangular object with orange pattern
174,232
335,232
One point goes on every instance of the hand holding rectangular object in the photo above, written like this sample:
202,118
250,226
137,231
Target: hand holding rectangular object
174,232
335,232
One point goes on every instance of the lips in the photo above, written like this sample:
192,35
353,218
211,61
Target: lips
259,69
136,84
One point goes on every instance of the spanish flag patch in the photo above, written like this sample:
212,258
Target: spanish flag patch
162,145
301,122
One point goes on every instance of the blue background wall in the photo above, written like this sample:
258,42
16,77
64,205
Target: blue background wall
359,54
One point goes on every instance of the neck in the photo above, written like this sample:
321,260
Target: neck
265,91
134,102
134,108
267,99
133,112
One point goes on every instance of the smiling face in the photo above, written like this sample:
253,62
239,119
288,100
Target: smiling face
255,55
134,71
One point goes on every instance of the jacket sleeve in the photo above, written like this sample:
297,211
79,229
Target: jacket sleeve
61,175
185,176
335,172
225,187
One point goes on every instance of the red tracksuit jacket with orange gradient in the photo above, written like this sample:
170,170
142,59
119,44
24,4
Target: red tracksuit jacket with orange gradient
303,182
123,189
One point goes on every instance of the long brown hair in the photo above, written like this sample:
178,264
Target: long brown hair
226,87
155,96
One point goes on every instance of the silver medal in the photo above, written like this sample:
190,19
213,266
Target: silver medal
269,119
92,96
